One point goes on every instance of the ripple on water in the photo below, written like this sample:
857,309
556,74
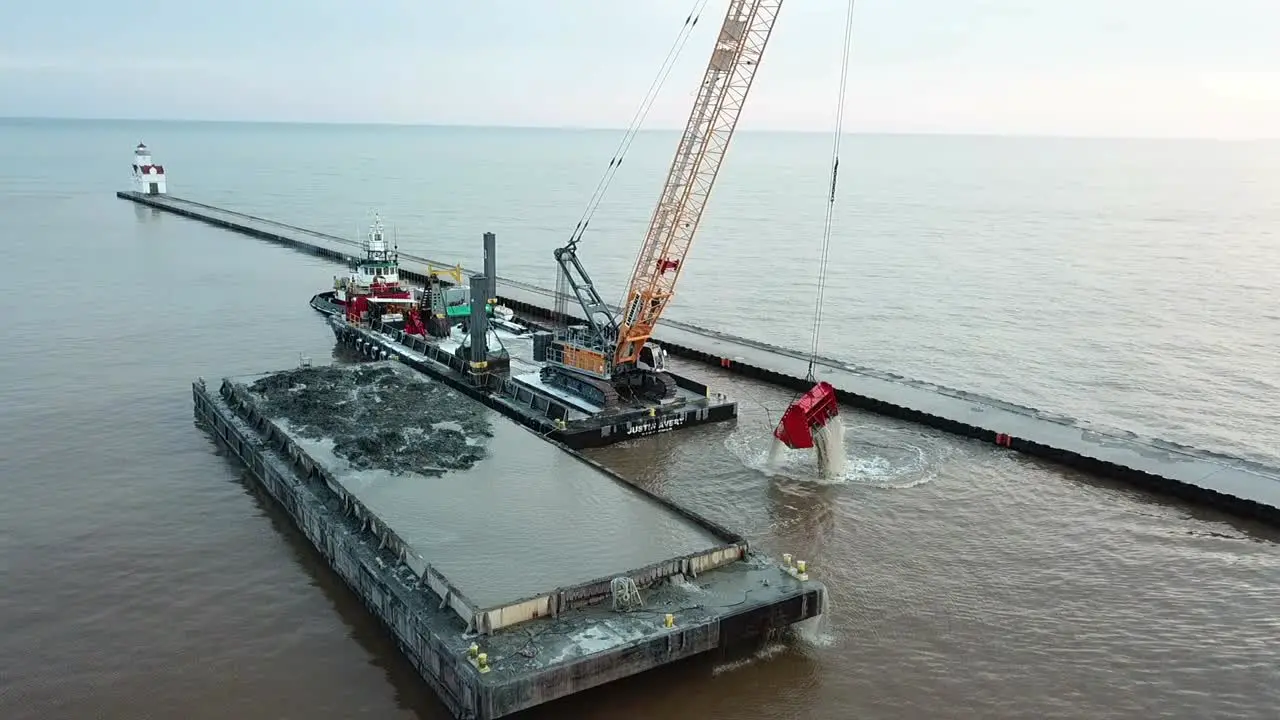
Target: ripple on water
871,459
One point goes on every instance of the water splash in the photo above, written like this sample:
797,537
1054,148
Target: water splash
682,582
828,444
816,631
828,440
878,464
776,450
765,652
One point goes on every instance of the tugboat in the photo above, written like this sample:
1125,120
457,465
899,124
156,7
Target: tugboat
372,288
373,291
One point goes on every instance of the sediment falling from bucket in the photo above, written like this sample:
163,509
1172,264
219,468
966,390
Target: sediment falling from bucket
775,453
828,440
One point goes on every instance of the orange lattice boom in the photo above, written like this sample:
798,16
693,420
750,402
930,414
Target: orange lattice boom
739,47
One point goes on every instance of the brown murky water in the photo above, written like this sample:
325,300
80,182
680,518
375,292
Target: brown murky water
142,577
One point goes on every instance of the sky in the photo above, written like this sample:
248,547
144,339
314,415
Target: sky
1120,68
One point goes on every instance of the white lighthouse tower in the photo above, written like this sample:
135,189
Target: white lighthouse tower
148,177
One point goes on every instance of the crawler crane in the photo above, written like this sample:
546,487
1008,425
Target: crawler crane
610,359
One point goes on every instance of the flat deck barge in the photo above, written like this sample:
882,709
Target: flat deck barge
510,571
1232,484
519,393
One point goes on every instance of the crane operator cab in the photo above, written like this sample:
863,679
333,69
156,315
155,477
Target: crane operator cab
655,356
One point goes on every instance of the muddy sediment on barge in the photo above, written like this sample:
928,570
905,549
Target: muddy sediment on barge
501,512
379,418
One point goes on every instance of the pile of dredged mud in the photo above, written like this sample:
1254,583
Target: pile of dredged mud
379,416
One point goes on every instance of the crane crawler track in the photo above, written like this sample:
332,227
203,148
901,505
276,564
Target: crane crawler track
594,390
647,385
636,386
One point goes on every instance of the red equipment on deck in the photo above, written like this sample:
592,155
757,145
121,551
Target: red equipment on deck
357,308
809,412
413,323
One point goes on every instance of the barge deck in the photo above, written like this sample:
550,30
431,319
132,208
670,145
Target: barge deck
510,571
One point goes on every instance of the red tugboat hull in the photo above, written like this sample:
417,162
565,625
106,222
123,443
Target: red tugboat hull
809,412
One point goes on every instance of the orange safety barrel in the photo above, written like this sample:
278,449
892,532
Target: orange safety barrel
809,412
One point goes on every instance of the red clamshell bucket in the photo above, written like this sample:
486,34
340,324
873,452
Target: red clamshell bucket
809,412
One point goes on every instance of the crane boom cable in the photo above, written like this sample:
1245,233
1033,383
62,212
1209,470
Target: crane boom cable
831,198
562,284
642,112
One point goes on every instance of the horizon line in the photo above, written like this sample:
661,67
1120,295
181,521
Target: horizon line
607,128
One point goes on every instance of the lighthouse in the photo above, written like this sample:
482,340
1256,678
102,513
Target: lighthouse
148,177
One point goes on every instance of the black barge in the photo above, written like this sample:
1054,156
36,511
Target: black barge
474,541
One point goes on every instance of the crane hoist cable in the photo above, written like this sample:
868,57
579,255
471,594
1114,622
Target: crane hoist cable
638,119
682,38
831,198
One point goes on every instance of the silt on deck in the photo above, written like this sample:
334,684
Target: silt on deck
502,513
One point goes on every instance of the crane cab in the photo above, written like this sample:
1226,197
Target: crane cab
654,356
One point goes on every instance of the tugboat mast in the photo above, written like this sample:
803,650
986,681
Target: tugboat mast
375,246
